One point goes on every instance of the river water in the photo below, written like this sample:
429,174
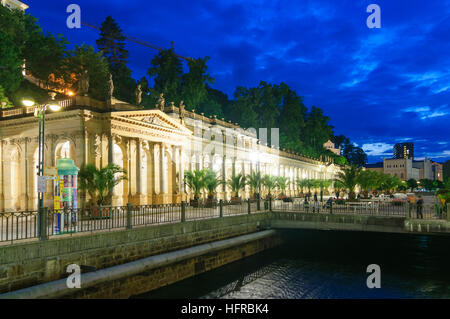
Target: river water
328,264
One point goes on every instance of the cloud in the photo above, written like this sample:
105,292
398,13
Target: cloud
378,149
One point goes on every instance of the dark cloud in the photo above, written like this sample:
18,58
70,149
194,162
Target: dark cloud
379,86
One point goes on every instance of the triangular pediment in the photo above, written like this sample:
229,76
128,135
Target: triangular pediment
154,118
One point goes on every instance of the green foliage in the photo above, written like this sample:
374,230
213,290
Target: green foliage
4,99
270,183
112,43
254,180
411,183
237,183
211,182
99,183
10,67
193,83
166,70
390,183
195,180
282,183
84,57
348,177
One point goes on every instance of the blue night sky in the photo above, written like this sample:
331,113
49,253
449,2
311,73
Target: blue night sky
379,86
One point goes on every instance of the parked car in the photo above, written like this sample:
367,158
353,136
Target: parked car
401,196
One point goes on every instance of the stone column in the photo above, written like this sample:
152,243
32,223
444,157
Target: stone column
110,149
2,183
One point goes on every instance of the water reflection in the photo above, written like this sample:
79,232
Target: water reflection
328,264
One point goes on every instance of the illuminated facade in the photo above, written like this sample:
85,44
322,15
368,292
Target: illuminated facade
155,148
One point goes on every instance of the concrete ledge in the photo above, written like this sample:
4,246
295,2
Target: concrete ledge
59,288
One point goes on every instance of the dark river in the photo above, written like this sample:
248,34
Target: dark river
328,264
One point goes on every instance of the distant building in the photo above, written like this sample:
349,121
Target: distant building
329,145
14,4
407,168
375,167
446,169
404,150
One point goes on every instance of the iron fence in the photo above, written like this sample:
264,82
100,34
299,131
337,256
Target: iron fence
50,223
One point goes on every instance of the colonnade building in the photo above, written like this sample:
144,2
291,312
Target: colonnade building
155,146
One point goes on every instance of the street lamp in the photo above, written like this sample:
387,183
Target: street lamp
39,112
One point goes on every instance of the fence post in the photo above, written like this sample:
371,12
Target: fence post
408,210
43,223
248,206
221,208
129,216
183,211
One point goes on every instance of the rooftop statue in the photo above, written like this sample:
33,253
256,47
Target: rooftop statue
161,102
83,84
138,94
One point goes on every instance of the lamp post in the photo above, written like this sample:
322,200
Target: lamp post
39,112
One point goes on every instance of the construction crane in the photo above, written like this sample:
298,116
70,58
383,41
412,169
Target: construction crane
141,42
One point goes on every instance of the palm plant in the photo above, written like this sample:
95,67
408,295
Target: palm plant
270,182
237,183
391,183
301,183
282,183
211,182
368,181
99,183
195,180
349,179
254,181
323,184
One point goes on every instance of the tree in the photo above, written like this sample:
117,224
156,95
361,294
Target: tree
291,120
99,183
166,71
427,184
10,67
194,83
254,180
282,183
390,183
4,99
411,183
355,155
211,182
112,43
317,130
368,181
348,177
270,182
195,180
236,183
83,58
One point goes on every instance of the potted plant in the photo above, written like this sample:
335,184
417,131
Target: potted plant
211,182
237,183
254,181
195,180
282,183
99,183
270,183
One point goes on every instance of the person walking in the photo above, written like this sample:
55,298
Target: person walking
316,203
419,207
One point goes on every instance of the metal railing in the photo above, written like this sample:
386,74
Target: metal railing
49,223
396,209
